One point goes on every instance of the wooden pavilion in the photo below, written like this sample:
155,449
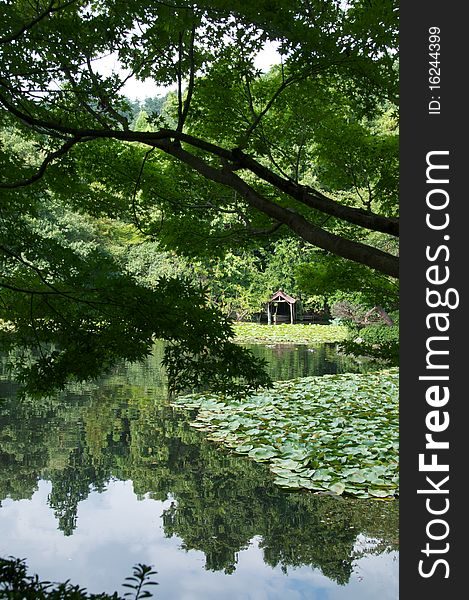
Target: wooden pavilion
281,308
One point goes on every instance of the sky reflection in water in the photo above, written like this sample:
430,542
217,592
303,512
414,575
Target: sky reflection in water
219,511
115,531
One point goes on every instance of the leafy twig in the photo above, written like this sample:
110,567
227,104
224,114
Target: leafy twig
139,580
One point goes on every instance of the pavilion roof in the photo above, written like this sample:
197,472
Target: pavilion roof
282,297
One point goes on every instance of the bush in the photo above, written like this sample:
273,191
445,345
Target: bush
16,584
376,340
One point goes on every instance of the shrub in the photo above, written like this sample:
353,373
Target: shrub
16,584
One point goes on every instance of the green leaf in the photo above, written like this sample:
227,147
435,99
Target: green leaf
380,493
262,453
296,441
338,488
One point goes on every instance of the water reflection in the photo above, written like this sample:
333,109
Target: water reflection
125,479
287,361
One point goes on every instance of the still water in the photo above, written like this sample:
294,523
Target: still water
107,475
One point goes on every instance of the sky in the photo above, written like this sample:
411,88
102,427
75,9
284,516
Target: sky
139,90
116,530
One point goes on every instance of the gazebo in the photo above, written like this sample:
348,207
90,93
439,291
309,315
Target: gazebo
281,308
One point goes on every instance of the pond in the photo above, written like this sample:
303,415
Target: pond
108,475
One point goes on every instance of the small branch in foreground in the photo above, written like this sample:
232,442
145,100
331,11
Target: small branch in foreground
42,169
28,26
134,196
184,107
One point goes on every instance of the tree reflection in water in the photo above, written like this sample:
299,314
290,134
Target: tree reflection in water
123,429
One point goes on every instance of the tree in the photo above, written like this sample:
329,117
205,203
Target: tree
234,157
121,431
211,47
70,310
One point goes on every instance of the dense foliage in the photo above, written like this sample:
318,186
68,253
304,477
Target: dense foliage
372,332
335,433
232,157
70,308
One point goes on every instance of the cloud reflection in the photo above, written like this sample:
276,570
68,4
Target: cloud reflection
116,530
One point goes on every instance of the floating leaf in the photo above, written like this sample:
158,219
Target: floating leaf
315,432
289,482
338,488
322,475
356,477
287,463
284,332
262,453
244,449
380,493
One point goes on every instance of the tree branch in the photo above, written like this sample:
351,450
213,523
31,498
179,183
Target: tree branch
317,200
42,169
266,109
106,105
79,95
134,196
179,81
356,251
28,26
190,89
161,138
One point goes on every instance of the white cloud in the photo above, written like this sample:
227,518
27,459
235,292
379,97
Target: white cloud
116,531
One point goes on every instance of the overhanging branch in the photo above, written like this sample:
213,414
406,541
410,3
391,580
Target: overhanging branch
168,141
349,249
42,169
40,17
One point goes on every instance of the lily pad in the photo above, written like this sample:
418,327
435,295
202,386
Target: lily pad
244,449
337,488
378,493
356,477
262,453
315,432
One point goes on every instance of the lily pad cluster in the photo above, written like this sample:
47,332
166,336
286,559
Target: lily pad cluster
334,434
289,334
